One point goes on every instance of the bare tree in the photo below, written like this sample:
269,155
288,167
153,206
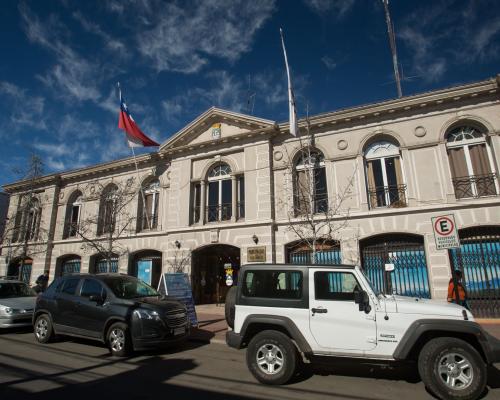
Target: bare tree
24,233
313,217
180,261
103,232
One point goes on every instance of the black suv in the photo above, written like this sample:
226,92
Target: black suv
119,310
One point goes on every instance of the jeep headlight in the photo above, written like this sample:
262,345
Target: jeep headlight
6,310
147,314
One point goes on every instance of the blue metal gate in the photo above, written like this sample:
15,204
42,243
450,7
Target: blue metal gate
407,253
101,266
329,253
479,260
71,266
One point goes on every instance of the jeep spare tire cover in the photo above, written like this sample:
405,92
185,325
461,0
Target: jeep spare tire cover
230,302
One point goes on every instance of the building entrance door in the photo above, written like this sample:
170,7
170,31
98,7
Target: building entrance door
208,275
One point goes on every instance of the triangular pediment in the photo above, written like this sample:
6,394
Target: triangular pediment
215,125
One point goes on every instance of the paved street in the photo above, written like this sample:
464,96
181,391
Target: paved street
77,369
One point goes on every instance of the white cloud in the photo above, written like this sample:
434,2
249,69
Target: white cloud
23,110
339,8
183,39
110,42
72,76
329,63
448,34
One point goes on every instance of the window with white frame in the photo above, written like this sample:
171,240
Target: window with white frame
471,163
148,205
73,215
386,186
219,193
310,189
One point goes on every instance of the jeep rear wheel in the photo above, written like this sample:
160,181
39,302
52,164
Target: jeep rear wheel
272,357
452,369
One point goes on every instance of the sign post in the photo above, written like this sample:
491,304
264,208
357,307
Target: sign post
178,286
445,232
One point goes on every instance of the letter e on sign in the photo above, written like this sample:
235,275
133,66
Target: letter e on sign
445,232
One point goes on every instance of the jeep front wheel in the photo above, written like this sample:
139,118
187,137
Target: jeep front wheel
272,357
452,369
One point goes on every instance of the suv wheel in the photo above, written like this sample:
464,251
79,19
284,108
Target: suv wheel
119,339
43,330
272,357
452,369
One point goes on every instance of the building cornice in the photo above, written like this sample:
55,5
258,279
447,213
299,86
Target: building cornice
259,127
390,108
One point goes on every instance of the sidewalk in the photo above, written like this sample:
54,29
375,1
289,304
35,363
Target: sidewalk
212,325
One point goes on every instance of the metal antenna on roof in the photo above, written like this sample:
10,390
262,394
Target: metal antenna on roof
392,43
250,97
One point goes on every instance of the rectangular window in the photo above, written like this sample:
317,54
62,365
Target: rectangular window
273,284
329,285
213,201
226,203
241,197
320,192
196,203
74,220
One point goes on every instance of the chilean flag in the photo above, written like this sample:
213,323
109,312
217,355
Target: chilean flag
135,137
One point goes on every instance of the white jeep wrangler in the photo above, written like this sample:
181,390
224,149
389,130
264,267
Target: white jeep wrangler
289,314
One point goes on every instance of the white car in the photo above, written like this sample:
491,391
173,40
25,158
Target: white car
17,302
288,314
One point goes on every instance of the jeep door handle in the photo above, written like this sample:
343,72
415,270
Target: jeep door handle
319,310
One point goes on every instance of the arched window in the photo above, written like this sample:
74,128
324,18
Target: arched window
219,200
386,187
107,210
68,264
73,215
310,190
471,162
147,214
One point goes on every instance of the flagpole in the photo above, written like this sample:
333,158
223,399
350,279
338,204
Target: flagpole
136,169
141,189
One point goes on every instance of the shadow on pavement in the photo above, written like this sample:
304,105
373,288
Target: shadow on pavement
391,371
148,381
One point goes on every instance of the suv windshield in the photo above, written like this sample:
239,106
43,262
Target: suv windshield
372,286
15,289
129,288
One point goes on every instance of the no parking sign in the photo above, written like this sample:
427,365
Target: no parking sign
445,232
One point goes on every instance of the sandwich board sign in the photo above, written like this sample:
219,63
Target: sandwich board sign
445,232
177,285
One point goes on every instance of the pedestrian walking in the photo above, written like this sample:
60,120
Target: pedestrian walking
456,290
42,281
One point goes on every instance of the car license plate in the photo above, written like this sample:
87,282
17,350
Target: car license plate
179,331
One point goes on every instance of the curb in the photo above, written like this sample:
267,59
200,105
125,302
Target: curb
487,321
207,341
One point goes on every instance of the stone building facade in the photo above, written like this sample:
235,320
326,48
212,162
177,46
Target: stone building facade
220,193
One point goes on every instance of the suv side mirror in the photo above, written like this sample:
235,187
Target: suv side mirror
363,300
97,298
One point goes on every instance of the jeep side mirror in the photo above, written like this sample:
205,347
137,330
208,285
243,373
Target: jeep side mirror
363,300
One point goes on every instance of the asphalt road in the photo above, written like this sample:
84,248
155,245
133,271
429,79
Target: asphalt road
76,369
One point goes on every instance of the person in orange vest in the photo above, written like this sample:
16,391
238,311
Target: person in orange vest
456,290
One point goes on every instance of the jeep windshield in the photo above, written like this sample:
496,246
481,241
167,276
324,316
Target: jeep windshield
370,283
15,289
129,288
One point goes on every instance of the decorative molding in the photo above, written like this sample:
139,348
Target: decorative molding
420,131
278,155
342,144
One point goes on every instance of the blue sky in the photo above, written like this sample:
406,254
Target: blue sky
61,60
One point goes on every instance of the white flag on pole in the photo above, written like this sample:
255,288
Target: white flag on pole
294,128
